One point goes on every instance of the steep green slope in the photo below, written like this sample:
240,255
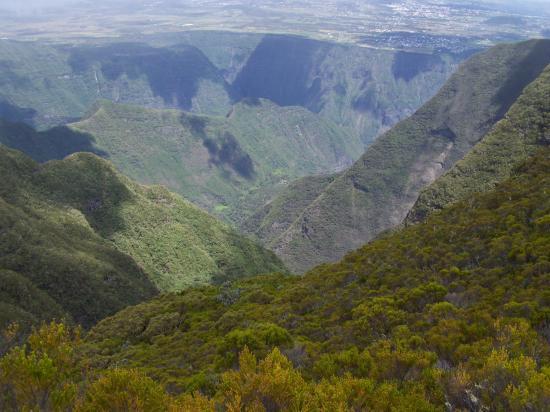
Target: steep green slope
274,218
525,127
363,89
176,243
52,263
77,233
380,188
228,165
446,309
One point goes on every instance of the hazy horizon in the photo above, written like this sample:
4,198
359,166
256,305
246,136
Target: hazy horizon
37,5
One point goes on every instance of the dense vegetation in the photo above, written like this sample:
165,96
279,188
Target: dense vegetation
220,163
376,193
52,263
525,127
78,233
450,313
176,243
228,165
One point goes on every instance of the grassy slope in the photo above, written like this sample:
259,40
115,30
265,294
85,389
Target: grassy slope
512,140
187,153
52,262
415,308
379,189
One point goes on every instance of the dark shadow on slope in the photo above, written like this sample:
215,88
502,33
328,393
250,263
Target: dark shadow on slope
524,73
367,101
56,143
282,69
91,185
408,65
14,113
172,73
196,124
9,77
227,151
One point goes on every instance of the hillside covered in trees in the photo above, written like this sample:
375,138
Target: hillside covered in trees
449,313
80,240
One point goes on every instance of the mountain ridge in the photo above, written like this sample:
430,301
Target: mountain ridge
513,139
379,189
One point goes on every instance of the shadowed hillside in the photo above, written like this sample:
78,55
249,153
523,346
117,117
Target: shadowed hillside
364,90
377,192
55,143
46,85
174,75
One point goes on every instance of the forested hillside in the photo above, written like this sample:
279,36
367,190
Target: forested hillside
78,234
448,314
117,294
52,263
361,89
377,192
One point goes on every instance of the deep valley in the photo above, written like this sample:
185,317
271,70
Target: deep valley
281,206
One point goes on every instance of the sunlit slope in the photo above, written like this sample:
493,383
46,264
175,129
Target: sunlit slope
466,290
53,264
